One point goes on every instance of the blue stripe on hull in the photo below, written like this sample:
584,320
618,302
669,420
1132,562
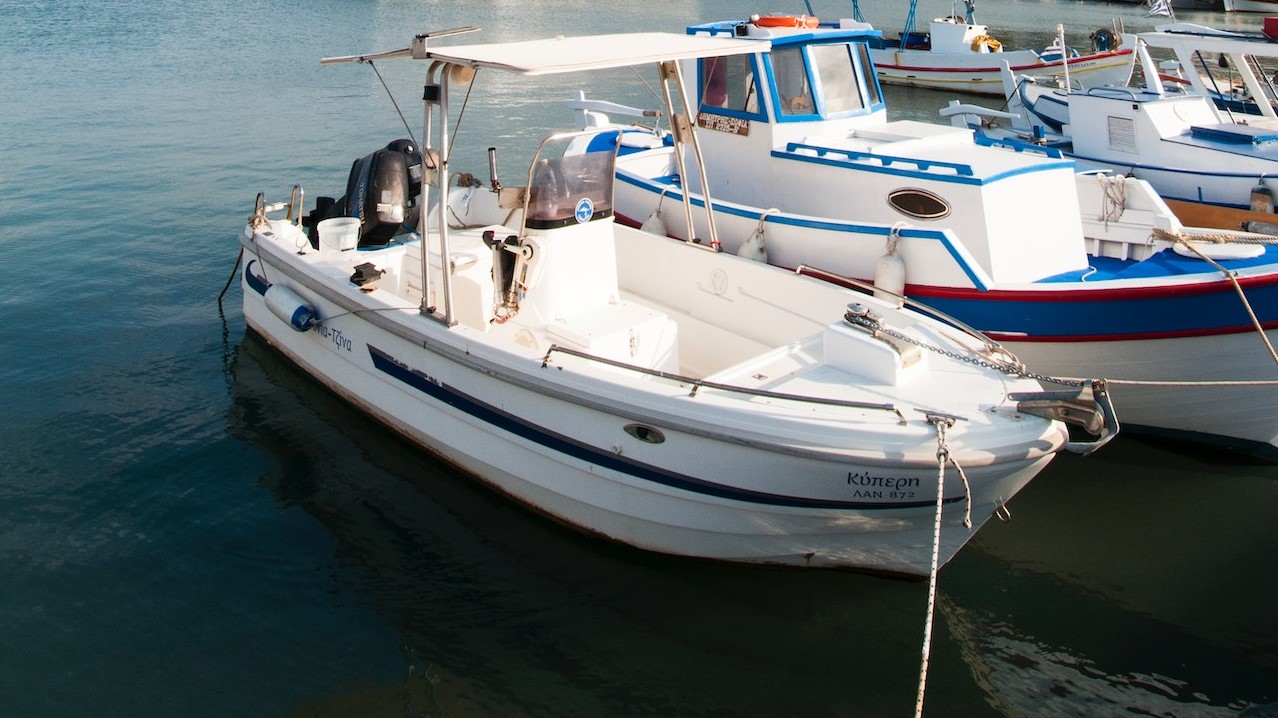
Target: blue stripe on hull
568,447
1107,317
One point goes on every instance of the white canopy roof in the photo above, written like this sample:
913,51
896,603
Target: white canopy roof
575,54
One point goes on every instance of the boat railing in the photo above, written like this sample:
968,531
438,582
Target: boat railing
923,165
698,384
1019,146
294,205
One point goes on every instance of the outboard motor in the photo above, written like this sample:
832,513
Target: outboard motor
381,191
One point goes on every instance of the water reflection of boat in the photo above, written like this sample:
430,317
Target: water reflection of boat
678,400
496,612
1109,605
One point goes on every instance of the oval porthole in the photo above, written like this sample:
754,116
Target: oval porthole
918,203
645,433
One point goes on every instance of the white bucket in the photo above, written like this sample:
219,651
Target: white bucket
338,233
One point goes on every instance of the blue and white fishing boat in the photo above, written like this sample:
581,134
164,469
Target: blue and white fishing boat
1175,131
673,399
1078,274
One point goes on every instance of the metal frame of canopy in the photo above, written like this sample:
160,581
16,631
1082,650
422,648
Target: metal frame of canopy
558,55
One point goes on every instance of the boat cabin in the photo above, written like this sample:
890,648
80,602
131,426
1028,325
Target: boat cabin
802,125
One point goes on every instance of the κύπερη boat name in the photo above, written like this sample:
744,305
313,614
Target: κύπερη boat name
341,341
864,478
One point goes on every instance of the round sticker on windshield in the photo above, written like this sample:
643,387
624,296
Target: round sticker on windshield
585,209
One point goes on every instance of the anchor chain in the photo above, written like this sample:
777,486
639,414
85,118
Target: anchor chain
860,317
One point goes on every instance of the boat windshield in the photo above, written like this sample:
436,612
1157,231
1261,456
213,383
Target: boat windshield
793,88
830,79
836,73
570,190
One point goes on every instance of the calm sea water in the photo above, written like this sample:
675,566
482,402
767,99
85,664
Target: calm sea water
190,527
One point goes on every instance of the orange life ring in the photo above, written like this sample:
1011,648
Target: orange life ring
786,21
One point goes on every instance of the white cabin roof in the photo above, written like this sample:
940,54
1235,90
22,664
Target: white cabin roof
576,54
1190,38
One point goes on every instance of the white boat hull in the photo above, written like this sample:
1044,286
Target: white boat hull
1222,410
1251,6
979,73
530,434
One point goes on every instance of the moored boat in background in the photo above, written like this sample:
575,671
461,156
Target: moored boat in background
1078,274
1172,135
960,55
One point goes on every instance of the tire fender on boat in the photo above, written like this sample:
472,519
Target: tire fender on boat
290,308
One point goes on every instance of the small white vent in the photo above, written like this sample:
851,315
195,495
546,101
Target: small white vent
1122,134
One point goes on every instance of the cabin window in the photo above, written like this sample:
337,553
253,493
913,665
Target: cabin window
727,83
838,77
871,81
793,89
918,203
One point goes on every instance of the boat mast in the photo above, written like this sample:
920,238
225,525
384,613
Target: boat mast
909,19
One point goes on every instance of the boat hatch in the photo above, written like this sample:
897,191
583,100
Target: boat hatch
1234,134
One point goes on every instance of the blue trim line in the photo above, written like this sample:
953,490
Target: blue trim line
848,159
560,444
835,226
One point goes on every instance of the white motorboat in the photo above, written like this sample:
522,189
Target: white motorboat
1184,143
1078,274
674,399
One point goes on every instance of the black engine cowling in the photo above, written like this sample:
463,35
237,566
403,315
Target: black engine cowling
381,191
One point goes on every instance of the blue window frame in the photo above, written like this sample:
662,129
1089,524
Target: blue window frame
729,86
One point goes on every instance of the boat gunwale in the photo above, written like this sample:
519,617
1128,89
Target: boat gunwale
921,457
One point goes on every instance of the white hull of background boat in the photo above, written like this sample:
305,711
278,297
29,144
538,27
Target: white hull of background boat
1229,414
1268,6
980,75
962,57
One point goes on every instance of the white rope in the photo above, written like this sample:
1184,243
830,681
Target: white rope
1114,188
1215,237
942,457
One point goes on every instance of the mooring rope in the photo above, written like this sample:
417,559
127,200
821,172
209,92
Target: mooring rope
943,456
1233,280
1214,237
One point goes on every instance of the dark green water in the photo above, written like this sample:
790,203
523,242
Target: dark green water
188,527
